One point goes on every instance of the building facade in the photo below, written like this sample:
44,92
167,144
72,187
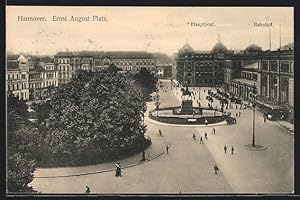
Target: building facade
276,74
43,79
68,63
196,68
164,71
17,77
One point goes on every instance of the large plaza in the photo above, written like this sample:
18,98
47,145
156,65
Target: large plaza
188,167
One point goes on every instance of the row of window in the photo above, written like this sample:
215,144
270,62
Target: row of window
49,67
284,65
198,56
17,86
66,75
16,76
249,75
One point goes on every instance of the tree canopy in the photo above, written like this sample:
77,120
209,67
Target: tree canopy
21,143
145,81
95,115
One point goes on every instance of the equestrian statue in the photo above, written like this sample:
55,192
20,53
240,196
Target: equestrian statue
186,92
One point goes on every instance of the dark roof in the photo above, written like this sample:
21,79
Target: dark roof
253,65
219,48
289,46
186,48
37,68
12,56
12,64
111,54
253,48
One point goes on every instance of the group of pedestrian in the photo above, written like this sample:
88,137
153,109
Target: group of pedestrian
225,149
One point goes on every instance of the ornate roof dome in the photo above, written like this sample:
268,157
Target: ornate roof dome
253,48
186,48
219,48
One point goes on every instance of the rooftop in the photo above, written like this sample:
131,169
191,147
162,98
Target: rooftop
111,54
253,65
243,80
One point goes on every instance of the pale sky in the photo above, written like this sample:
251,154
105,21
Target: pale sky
152,29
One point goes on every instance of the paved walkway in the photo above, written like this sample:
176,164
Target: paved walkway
156,149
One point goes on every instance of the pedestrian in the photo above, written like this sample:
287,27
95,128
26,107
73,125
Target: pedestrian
232,149
225,149
213,131
143,156
205,135
216,169
118,170
194,137
236,106
167,148
87,191
236,114
159,132
206,122
265,119
201,140
240,113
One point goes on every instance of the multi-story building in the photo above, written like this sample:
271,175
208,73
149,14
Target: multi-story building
196,68
17,77
272,72
243,86
43,78
276,74
68,63
164,70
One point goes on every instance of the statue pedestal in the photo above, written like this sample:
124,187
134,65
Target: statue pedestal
187,107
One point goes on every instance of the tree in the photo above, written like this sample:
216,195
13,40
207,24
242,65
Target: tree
21,143
114,68
95,116
145,81
18,105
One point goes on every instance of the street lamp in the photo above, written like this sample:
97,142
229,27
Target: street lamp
254,94
254,146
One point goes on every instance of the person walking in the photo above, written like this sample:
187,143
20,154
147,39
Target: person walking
88,190
216,169
240,113
194,137
236,106
167,148
213,132
225,149
236,115
118,170
205,135
143,156
265,119
160,133
201,140
232,149
206,122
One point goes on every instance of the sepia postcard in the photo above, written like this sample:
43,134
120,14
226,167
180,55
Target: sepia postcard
109,100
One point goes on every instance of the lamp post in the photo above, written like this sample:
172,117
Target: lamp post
144,145
253,105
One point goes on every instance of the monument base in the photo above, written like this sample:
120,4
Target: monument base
187,107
